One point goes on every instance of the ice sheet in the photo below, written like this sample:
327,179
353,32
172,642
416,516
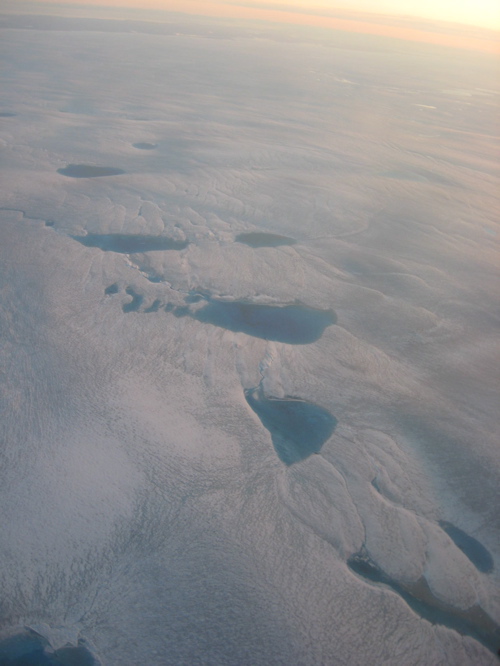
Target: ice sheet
145,509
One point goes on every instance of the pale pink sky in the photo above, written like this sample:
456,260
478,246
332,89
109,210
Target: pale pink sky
352,15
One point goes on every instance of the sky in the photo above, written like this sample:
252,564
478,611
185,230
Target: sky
482,13
469,24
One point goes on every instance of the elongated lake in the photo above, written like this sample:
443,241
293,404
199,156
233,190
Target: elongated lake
89,171
261,239
130,243
472,548
295,324
473,621
145,146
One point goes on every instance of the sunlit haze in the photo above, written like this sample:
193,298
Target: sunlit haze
484,13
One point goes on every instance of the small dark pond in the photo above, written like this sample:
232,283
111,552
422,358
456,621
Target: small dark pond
154,307
145,146
474,621
88,171
472,548
261,239
30,649
7,114
135,303
293,324
129,244
298,428
112,289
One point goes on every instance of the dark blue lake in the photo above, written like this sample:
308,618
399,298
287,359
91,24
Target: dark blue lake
129,243
294,324
472,548
30,649
89,171
261,239
298,428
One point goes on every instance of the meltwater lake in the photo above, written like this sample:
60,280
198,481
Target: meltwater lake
145,146
30,649
298,428
479,555
294,324
129,243
89,171
473,621
261,239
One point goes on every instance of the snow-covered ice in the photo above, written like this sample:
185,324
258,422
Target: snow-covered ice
194,211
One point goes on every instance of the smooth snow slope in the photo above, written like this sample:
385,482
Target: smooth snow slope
144,507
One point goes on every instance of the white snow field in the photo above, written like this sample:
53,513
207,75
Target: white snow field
278,450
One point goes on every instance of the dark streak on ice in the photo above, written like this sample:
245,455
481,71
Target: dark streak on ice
298,428
417,175
30,649
474,621
7,114
130,244
260,239
89,171
472,548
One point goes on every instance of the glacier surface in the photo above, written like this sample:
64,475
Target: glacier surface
262,179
